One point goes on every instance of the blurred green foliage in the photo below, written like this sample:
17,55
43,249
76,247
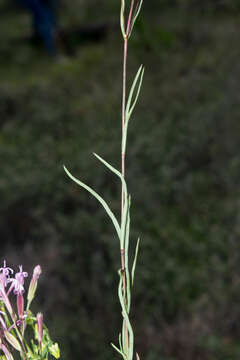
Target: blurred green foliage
183,172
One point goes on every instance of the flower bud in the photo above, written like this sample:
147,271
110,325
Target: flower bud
20,306
33,284
40,326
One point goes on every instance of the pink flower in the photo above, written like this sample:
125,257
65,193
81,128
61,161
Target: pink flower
5,274
18,282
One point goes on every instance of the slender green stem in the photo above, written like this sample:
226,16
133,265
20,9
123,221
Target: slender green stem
122,250
124,112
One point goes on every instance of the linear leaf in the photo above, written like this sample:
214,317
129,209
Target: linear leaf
126,318
135,260
114,170
123,337
137,95
99,198
120,342
126,247
138,9
119,351
124,341
130,106
122,21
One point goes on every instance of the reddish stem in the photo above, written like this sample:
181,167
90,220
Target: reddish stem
130,18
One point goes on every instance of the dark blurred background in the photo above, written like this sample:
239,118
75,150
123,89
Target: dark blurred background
183,170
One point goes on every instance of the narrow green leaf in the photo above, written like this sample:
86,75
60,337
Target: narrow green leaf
125,343
99,198
138,9
116,172
120,342
135,260
135,80
130,106
133,88
126,318
122,21
119,351
126,248
138,92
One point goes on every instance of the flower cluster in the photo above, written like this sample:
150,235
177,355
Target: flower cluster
15,317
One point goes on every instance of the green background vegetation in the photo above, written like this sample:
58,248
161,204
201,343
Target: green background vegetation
183,170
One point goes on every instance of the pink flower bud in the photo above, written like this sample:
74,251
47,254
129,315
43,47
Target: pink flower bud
37,272
40,327
33,284
20,306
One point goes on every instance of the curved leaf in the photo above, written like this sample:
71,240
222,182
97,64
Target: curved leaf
99,198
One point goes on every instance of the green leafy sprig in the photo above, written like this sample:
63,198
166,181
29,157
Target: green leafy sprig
122,228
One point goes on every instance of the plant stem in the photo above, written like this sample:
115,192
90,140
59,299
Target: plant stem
122,251
124,112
